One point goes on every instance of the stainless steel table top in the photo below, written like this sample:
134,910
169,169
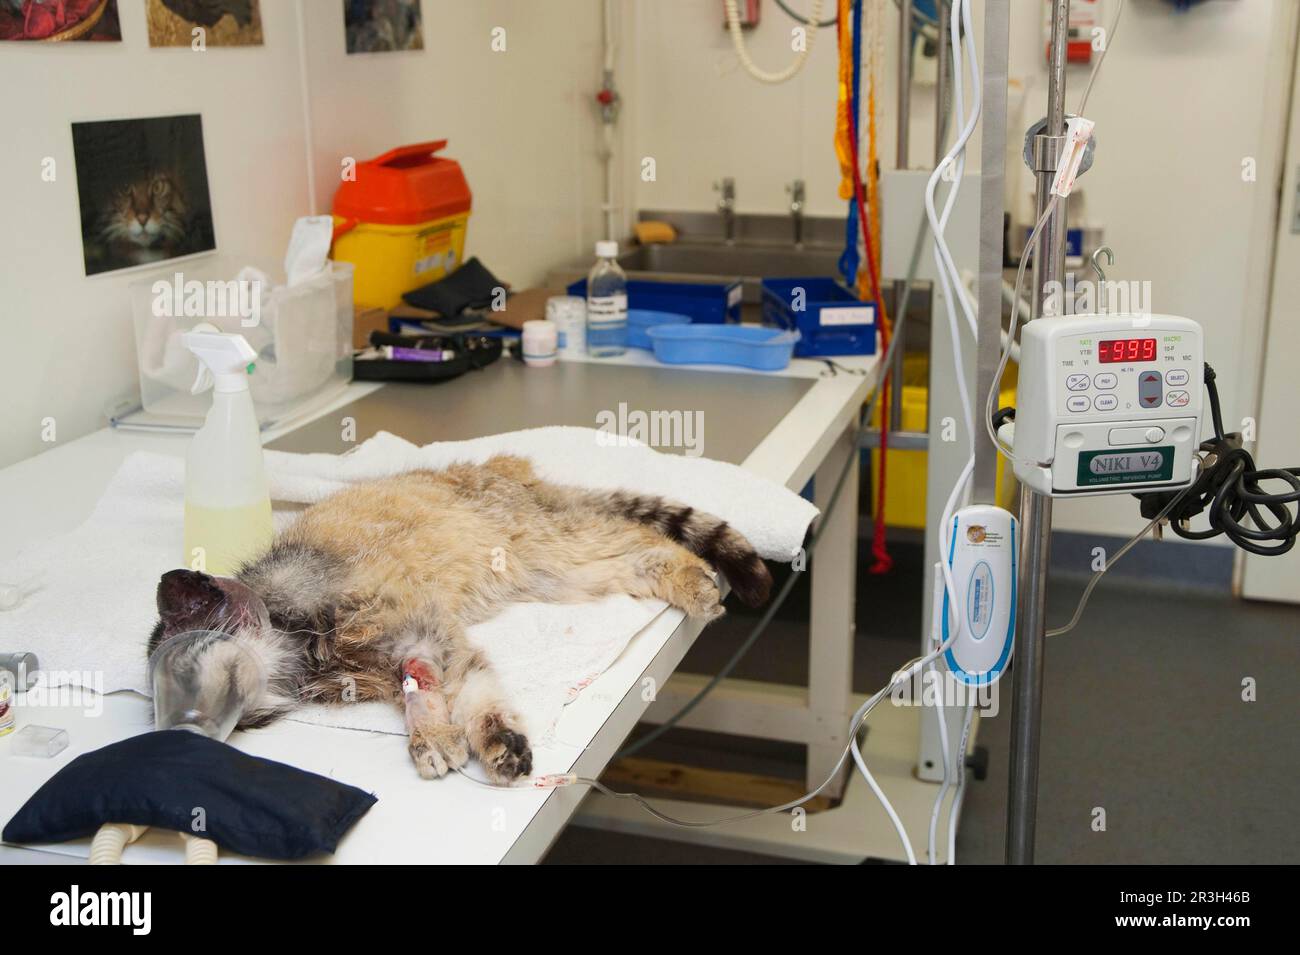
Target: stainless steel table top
738,410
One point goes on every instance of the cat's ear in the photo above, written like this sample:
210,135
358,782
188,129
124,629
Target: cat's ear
187,599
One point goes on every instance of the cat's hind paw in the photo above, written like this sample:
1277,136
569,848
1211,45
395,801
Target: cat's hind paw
437,749
697,593
505,752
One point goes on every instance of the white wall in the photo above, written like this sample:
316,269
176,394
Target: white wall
68,338
521,122
1181,100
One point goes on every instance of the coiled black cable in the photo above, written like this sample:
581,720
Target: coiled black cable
1230,491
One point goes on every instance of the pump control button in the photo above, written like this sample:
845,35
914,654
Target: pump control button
1149,387
1177,399
1105,381
1078,403
1122,436
1105,402
1177,376
1077,383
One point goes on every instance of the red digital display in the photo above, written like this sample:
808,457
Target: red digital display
1126,349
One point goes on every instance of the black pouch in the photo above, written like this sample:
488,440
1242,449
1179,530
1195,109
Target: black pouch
248,805
470,286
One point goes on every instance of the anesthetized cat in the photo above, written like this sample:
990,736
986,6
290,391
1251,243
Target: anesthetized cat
367,594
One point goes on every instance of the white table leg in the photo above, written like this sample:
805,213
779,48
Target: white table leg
830,637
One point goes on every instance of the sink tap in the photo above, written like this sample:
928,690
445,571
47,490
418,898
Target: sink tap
796,192
726,190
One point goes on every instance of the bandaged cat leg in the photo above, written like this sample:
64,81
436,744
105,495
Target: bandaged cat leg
436,745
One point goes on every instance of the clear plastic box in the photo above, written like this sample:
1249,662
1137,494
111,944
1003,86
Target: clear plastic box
39,742
302,335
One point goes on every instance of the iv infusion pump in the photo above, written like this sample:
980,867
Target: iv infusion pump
1108,404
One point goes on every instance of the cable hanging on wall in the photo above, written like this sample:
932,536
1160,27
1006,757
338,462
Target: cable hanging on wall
742,52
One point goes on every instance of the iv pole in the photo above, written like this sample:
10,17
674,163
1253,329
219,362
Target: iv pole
1036,509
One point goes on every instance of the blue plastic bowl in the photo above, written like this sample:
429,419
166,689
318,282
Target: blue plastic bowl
751,346
641,320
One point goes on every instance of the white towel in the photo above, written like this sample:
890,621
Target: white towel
773,518
89,595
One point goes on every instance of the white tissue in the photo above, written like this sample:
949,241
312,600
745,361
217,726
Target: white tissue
258,280
309,248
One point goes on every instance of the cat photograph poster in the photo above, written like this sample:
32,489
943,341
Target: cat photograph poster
142,185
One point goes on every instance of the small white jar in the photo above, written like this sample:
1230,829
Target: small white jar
569,313
541,342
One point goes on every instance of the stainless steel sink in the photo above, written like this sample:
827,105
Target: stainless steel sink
718,262
744,261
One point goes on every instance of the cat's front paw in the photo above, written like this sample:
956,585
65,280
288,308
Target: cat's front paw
438,748
505,751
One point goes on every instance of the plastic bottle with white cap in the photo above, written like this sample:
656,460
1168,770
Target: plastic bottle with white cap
227,501
606,304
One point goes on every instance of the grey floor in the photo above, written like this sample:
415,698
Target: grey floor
1143,718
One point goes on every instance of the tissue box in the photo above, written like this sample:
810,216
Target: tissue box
302,335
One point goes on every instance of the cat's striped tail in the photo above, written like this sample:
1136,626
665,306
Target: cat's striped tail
706,536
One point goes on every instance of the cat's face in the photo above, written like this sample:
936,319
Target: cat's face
190,600
148,211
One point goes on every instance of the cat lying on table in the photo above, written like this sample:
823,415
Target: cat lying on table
367,595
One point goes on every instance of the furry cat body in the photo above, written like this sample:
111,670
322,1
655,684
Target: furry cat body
367,595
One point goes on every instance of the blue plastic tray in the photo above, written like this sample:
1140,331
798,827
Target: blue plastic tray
753,346
827,316
704,302
640,321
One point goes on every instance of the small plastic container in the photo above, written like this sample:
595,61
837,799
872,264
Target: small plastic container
39,742
569,313
750,346
541,343
640,321
302,335
7,717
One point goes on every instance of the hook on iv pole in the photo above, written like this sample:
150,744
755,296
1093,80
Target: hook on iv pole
1101,276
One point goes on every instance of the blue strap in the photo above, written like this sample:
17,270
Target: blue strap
850,260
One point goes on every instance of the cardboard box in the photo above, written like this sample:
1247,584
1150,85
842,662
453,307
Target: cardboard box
365,321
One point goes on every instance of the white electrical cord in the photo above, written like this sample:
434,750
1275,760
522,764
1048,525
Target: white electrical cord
742,53
950,280
996,387
884,801
954,811
954,289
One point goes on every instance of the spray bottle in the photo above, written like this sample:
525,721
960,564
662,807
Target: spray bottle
227,503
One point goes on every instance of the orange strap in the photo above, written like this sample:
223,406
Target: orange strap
883,563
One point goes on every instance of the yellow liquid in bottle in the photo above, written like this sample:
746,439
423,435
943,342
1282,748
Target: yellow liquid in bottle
227,536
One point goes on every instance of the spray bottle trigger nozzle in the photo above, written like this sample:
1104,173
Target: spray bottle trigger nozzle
202,381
